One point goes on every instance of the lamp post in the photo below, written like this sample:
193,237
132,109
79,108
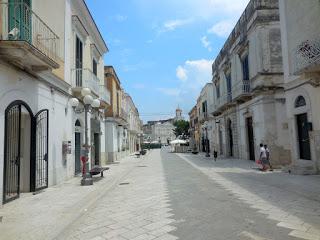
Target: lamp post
90,105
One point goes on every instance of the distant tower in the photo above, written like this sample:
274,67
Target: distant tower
178,114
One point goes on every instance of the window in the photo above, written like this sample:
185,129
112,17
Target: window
218,90
78,63
245,68
79,53
94,67
204,107
229,85
300,102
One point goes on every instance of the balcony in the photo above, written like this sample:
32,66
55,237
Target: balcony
307,57
123,114
241,92
26,41
222,103
85,78
104,94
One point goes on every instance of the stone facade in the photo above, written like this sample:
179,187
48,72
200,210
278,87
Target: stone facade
134,126
249,92
116,118
161,130
38,87
300,46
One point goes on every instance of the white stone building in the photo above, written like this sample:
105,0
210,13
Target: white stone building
134,126
300,32
116,118
249,96
163,132
206,103
46,58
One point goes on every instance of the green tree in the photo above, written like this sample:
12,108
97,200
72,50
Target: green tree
181,128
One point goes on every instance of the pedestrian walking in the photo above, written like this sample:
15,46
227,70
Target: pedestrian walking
215,155
263,157
268,157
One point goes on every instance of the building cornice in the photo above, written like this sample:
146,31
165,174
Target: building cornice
256,12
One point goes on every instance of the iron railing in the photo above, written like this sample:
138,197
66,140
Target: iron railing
85,78
307,56
104,94
242,87
20,23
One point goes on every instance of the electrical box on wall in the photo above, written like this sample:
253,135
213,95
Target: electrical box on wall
66,147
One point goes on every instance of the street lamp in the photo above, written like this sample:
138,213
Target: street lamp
90,105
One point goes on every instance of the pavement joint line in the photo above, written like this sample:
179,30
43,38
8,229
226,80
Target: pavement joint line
91,203
131,214
289,222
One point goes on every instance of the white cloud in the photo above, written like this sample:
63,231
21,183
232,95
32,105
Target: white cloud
206,43
172,25
181,73
174,92
198,73
222,28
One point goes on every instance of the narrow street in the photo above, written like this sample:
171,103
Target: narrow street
172,196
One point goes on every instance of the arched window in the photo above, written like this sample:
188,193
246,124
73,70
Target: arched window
300,102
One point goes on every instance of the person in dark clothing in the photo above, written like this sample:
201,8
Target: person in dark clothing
215,155
268,157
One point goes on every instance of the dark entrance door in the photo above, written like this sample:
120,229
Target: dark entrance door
250,138
220,141
11,186
303,136
40,162
77,153
230,138
77,141
96,149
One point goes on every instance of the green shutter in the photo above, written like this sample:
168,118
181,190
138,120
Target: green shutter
20,18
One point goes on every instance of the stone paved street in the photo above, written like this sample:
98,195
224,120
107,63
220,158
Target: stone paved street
167,196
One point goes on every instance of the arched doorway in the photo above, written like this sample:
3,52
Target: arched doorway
303,128
77,140
230,137
25,150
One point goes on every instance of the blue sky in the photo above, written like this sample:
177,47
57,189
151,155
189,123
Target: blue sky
162,50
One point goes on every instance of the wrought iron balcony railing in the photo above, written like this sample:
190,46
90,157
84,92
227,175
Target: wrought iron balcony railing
85,78
242,88
239,91
307,57
20,23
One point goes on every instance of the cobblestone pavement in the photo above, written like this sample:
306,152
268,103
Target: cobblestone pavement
291,201
138,209
45,215
167,196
